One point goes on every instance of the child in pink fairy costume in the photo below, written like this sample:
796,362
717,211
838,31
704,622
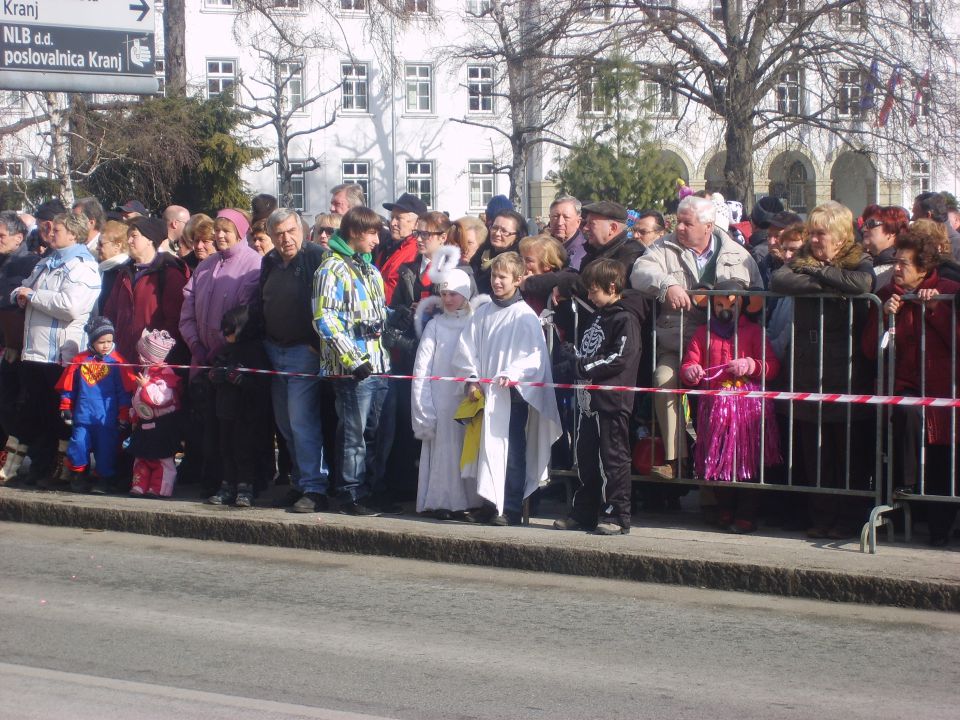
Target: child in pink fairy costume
157,428
731,357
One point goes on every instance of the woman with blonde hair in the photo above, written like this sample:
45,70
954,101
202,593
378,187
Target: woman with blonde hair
825,360
468,233
541,254
324,226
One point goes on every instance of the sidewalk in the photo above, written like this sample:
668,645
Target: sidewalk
672,549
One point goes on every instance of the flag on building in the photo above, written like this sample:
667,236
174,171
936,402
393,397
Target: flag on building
918,94
891,98
873,82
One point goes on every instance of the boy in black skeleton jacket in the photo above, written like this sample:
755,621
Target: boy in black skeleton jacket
609,354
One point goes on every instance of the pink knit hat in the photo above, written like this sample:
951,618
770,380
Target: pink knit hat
239,221
155,345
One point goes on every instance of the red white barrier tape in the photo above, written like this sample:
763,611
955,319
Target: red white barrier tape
841,398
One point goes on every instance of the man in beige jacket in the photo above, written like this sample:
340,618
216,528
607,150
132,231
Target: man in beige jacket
695,255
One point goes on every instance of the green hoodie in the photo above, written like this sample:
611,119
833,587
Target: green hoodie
338,244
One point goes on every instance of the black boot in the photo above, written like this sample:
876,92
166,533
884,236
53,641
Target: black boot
244,497
224,496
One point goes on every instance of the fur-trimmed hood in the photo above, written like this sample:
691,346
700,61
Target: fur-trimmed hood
430,307
849,258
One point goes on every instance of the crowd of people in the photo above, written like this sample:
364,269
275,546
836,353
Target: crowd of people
131,345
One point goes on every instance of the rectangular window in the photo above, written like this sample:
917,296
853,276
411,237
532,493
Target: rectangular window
482,182
788,93
296,186
417,7
791,11
419,84
660,98
420,180
353,6
920,16
661,9
919,177
357,172
478,7
221,74
287,4
218,4
716,10
596,14
10,169
480,88
290,77
853,17
591,99
851,87
353,87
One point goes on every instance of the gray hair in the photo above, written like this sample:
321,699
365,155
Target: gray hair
76,225
577,205
10,220
281,215
353,192
92,210
703,208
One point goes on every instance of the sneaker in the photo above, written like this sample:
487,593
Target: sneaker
224,496
499,521
608,527
244,500
354,507
137,491
568,523
309,503
289,498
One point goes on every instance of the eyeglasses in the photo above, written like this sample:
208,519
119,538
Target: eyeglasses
872,223
326,230
423,234
502,231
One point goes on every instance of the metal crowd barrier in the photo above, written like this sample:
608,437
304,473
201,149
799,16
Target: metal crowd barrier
862,477
899,498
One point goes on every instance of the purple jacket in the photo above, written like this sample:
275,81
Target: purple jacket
576,248
223,281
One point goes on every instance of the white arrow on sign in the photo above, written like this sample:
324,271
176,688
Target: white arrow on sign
100,14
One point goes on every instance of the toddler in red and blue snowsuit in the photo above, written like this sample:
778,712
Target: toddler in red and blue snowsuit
95,392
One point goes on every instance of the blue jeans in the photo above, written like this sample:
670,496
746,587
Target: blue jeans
516,480
296,406
359,406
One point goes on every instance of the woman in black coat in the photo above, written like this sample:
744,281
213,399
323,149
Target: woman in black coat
831,262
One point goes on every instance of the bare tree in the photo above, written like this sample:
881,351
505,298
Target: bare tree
174,47
542,50
773,69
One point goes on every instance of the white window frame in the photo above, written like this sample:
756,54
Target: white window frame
716,11
348,86
789,93
849,93
350,173
478,8
480,80
797,179
219,5
220,76
791,12
919,177
921,14
7,166
659,98
417,7
353,7
293,6
591,103
596,14
482,183
159,70
414,85
852,17
420,180
662,8
291,80
298,185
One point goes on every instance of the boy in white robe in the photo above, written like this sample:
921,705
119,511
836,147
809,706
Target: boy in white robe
504,342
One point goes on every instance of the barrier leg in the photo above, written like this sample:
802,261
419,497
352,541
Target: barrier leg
868,535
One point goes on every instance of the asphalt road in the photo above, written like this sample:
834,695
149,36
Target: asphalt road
97,625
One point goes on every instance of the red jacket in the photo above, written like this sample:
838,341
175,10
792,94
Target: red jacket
153,302
388,261
749,339
941,334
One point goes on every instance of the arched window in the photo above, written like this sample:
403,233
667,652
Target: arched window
797,186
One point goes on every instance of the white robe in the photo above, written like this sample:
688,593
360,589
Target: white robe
433,404
508,342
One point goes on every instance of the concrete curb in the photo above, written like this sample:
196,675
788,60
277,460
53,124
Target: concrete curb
715,575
